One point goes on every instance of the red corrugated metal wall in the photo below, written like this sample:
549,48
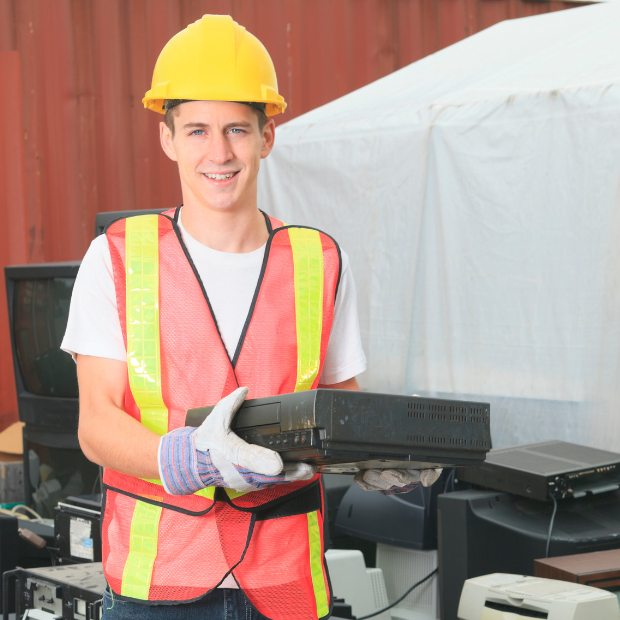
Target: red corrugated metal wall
75,139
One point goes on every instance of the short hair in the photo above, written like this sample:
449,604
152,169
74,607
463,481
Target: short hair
171,104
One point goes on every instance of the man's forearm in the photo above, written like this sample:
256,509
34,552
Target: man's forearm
111,438
108,435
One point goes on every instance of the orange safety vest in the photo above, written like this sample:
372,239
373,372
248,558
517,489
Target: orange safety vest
164,548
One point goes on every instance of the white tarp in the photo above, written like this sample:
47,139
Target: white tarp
477,193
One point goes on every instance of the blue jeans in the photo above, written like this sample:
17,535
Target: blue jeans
221,604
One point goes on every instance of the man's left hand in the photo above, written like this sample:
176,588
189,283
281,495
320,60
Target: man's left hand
390,481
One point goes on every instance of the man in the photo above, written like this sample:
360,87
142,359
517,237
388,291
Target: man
209,303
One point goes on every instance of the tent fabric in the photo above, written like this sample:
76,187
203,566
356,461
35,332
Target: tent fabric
477,193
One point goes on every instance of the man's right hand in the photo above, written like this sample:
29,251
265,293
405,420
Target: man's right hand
213,455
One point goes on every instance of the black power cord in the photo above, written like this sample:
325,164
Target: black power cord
398,600
551,522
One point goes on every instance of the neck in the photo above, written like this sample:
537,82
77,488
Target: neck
226,231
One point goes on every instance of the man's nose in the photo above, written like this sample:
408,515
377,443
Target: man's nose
218,149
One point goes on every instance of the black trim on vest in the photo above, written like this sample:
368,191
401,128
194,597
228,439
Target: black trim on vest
136,214
307,500
303,500
267,222
300,501
335,243
261,275
232,361
177,232
248,318
146,500
206,592
245,549
272,234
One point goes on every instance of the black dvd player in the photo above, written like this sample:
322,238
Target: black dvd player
343,431
551,469
70,592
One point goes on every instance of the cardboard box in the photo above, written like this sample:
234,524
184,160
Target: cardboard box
12,464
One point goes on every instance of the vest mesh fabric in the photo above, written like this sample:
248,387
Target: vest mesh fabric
282,545
170,578
194,553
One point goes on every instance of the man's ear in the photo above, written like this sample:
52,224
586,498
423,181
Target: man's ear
165,139
269,136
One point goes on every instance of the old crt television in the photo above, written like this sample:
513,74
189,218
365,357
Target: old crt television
46,384
482,532
45,377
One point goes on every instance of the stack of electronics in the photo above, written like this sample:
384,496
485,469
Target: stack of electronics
72,592
46,384
60,484
524,503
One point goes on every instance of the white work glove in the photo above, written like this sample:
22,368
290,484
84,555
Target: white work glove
391,481
213,455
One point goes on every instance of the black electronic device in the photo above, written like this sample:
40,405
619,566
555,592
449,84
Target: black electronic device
16,548
407,520
46,384
552,469
104,218
71,592
342,431
77,525
45,377
55,468
341,610
482,532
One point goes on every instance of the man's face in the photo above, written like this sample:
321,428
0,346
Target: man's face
218,146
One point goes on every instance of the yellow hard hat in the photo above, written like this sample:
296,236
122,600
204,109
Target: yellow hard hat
215,59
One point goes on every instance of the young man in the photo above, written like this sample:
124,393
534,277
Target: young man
207,304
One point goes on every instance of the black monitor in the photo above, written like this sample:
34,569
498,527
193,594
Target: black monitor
45,377
482,532
46,383
407,520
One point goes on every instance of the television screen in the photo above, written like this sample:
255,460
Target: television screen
45,377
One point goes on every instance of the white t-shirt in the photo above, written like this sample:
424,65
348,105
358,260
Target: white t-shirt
230,280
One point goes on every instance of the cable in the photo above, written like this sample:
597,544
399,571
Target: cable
555,509
398,600
16,510
97,483
449,482
10,513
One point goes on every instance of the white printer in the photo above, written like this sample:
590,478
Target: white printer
502,596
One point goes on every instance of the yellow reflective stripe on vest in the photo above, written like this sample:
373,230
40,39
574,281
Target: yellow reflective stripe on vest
143,537
144,370
142,303
142,318
308,269
316,565
308,276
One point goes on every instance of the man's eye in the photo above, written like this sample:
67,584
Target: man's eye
197,132
236,130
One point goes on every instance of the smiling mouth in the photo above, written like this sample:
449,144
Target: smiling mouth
219,177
